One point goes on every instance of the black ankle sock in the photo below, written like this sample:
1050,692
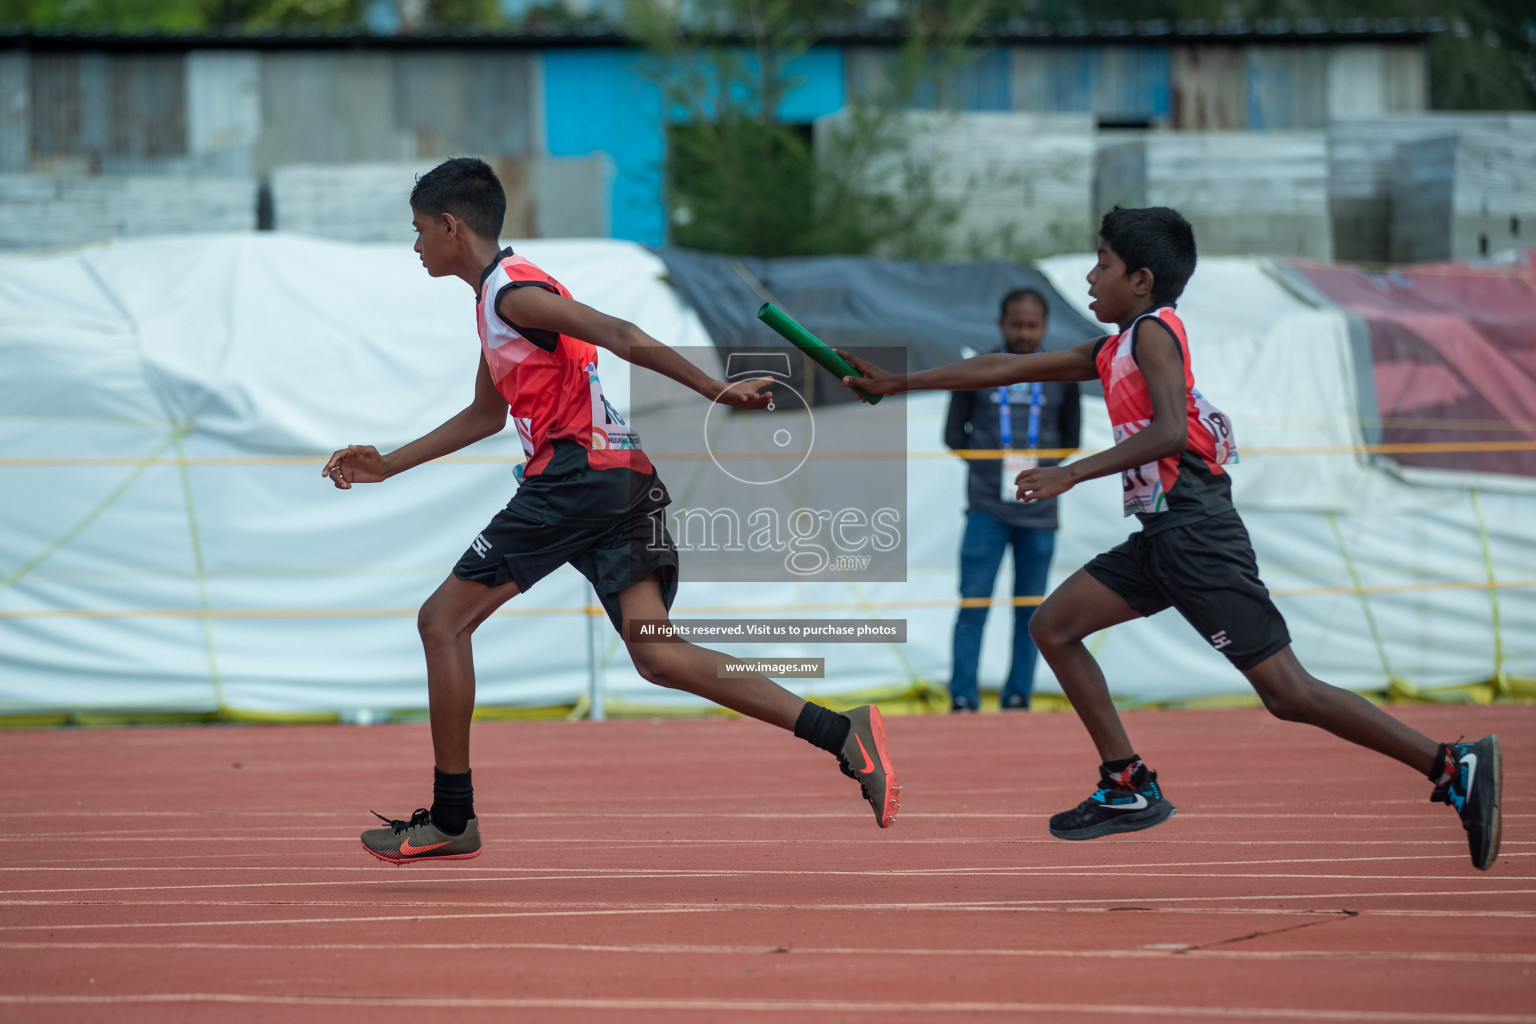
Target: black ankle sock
1445,767
1128,771
453,802
822,728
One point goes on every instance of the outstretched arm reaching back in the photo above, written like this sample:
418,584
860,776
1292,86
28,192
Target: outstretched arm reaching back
536,307
994,369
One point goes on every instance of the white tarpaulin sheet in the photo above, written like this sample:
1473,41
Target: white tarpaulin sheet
1322,518
221,350
166,541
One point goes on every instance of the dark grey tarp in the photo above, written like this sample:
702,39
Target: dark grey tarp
935,310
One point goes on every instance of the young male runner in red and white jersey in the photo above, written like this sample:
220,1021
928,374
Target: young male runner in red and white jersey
1192,553
589,496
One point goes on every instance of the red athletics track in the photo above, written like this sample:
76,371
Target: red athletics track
719,870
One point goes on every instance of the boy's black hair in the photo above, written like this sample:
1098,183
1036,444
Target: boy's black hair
1157,238
466,187
1019,295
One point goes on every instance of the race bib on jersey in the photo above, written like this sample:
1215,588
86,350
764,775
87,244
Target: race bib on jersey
608,428
1220,427
1143,485
1013,465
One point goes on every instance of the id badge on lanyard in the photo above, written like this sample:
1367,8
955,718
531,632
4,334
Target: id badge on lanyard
1014,464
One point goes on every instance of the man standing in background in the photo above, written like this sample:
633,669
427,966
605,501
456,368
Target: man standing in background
1020,419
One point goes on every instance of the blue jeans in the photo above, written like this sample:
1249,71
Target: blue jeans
981,553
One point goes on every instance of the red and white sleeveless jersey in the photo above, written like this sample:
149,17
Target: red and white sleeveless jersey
549,380
1203,485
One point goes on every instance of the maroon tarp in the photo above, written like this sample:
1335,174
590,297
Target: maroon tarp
1453,355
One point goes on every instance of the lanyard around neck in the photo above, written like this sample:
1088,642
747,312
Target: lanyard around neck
1005,415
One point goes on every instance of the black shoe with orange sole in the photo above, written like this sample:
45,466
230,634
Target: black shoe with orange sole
417,840
866,759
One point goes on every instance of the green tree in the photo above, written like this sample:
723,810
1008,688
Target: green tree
740,180
136,16
468,14
302,14
105,15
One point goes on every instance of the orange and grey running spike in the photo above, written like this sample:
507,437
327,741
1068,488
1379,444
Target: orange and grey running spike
417,840
866,759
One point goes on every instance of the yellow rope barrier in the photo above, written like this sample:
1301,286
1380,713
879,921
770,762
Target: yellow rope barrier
683,611
1415,448
591,610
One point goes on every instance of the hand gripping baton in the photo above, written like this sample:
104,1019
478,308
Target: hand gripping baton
812,346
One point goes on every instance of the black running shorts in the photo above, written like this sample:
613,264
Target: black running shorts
1205,570
614,554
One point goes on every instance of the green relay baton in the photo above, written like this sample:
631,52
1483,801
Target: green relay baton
812,346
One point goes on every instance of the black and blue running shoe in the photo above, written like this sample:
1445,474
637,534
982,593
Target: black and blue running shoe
1118,805
1473,790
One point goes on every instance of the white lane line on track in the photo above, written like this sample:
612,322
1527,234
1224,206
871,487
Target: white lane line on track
1033,868
731,1006
1139,839
229,832
1244,912
959,793
630,874
665,875
1044,907
1182,952
999,906
1413,810
157,866
1377,842
546,912
460,902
